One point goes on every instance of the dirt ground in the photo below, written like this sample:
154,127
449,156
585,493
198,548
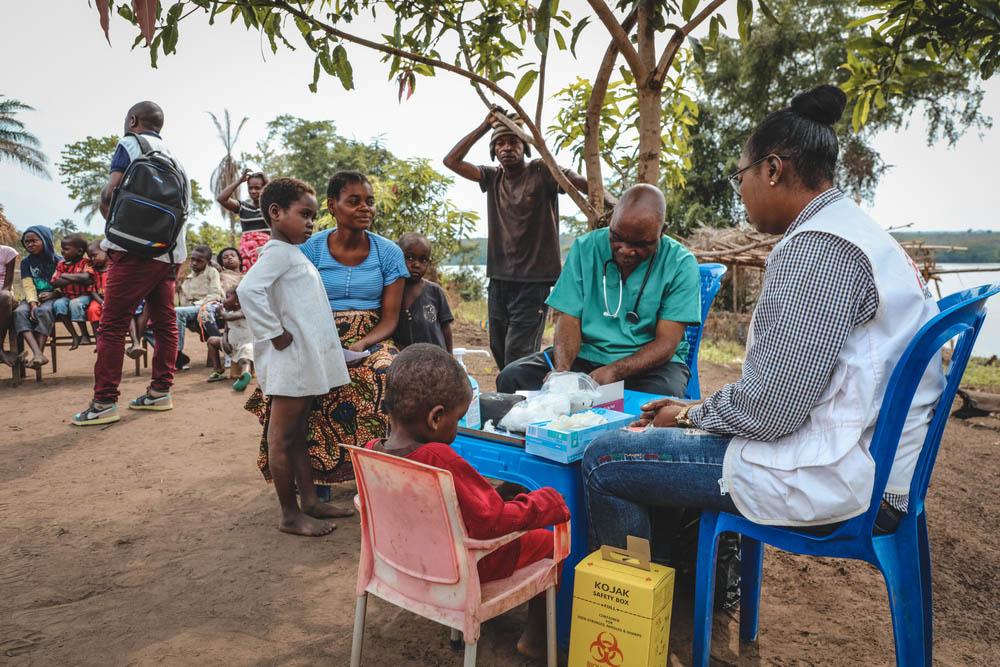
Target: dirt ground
153,541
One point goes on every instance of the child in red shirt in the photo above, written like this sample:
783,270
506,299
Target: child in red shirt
427,393
74,277
99,262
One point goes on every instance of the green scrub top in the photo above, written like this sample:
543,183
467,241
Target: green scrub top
673,293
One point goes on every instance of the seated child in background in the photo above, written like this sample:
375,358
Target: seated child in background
236,341
99,262
425,316
427,393
74,277
138,328
230,268
201,286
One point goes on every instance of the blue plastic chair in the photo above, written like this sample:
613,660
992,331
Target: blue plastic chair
711,279
903,556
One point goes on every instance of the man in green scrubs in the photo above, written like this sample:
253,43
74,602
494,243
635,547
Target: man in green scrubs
624,297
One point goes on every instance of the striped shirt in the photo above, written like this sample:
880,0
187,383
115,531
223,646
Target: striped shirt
356,287
251,217
73,290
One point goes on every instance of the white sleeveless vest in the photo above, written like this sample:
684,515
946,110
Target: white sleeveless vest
823,472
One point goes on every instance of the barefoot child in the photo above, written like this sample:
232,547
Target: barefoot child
99,261
236,341
425,316
33,319
296,348
427,393
74,277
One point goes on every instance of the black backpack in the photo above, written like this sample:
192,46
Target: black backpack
149,206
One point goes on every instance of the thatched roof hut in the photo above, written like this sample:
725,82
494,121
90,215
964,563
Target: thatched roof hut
8,235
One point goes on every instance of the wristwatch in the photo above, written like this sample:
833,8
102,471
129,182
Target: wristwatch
682,416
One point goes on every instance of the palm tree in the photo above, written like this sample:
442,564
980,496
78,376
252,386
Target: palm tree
17,145
228,169
64,228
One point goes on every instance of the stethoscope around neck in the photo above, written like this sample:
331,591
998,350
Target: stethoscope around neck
632,316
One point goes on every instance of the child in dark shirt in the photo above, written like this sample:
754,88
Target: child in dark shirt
425,316
427,393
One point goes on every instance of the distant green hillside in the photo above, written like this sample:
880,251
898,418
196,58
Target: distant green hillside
983,245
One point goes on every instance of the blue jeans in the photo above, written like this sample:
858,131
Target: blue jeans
626,475
196,319
76,308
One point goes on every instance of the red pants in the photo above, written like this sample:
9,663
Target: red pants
530,548
130,280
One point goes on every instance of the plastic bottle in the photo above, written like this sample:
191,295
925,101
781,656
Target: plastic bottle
471,419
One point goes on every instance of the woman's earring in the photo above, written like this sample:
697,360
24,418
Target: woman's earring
772,182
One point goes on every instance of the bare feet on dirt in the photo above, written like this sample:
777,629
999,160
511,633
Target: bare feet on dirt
306,526
327,511
532,642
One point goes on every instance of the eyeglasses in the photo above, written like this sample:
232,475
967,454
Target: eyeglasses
417,260
736,178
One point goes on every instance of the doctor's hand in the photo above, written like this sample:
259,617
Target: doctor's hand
604,375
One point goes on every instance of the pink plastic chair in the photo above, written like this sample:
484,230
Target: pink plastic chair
415,553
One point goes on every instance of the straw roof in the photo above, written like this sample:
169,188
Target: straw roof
8,235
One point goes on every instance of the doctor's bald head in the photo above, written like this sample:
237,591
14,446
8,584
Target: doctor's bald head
637,225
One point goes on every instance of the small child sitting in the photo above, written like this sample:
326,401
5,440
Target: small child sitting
74,277
427,393
425,316
236,341
99,262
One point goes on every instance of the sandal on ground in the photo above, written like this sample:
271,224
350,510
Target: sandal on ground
216,376
242,382
149,402
95,415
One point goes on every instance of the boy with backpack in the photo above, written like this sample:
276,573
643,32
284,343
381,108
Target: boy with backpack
145,203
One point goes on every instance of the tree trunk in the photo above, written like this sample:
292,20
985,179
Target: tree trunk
649,98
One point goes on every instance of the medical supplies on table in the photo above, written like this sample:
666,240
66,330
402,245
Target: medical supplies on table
565,438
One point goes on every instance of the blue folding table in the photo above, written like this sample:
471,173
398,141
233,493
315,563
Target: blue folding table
505,459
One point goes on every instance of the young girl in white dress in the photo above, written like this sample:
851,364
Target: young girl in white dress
296,348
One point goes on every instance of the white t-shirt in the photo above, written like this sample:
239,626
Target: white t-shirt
6,254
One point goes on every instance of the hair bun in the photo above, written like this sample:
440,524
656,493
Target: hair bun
823,104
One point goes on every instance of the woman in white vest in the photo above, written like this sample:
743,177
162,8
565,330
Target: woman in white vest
787,443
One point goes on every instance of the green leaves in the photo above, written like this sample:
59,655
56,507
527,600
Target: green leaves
687,9
744,14
525,84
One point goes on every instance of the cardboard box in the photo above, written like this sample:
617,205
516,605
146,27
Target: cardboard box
568,446
621,609
612,396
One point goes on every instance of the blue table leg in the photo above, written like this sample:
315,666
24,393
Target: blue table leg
512,464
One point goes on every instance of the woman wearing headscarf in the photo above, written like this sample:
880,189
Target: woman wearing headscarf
33,319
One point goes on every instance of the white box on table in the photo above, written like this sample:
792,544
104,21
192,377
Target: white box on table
567,446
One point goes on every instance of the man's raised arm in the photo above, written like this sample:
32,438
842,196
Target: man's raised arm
455,159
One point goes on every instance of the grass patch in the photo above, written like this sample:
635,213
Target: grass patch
726,352
980,376
473,312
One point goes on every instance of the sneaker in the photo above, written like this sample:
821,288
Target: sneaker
216,376
95,415
149,402
183,362
242,383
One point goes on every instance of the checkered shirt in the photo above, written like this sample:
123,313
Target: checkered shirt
817,289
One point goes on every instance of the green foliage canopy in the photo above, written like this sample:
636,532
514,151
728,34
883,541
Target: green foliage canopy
410,194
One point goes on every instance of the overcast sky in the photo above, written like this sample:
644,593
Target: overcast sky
80,86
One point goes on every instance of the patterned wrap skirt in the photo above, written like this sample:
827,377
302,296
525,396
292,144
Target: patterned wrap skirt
352,414
250,245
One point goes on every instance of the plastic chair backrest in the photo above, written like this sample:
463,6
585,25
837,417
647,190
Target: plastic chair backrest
711,280
961,315
412,516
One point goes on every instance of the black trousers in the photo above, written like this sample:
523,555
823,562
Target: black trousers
517,318
529,372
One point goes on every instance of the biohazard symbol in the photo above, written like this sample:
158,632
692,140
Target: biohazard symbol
605,650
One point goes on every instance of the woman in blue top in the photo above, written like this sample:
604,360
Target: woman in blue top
363,274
